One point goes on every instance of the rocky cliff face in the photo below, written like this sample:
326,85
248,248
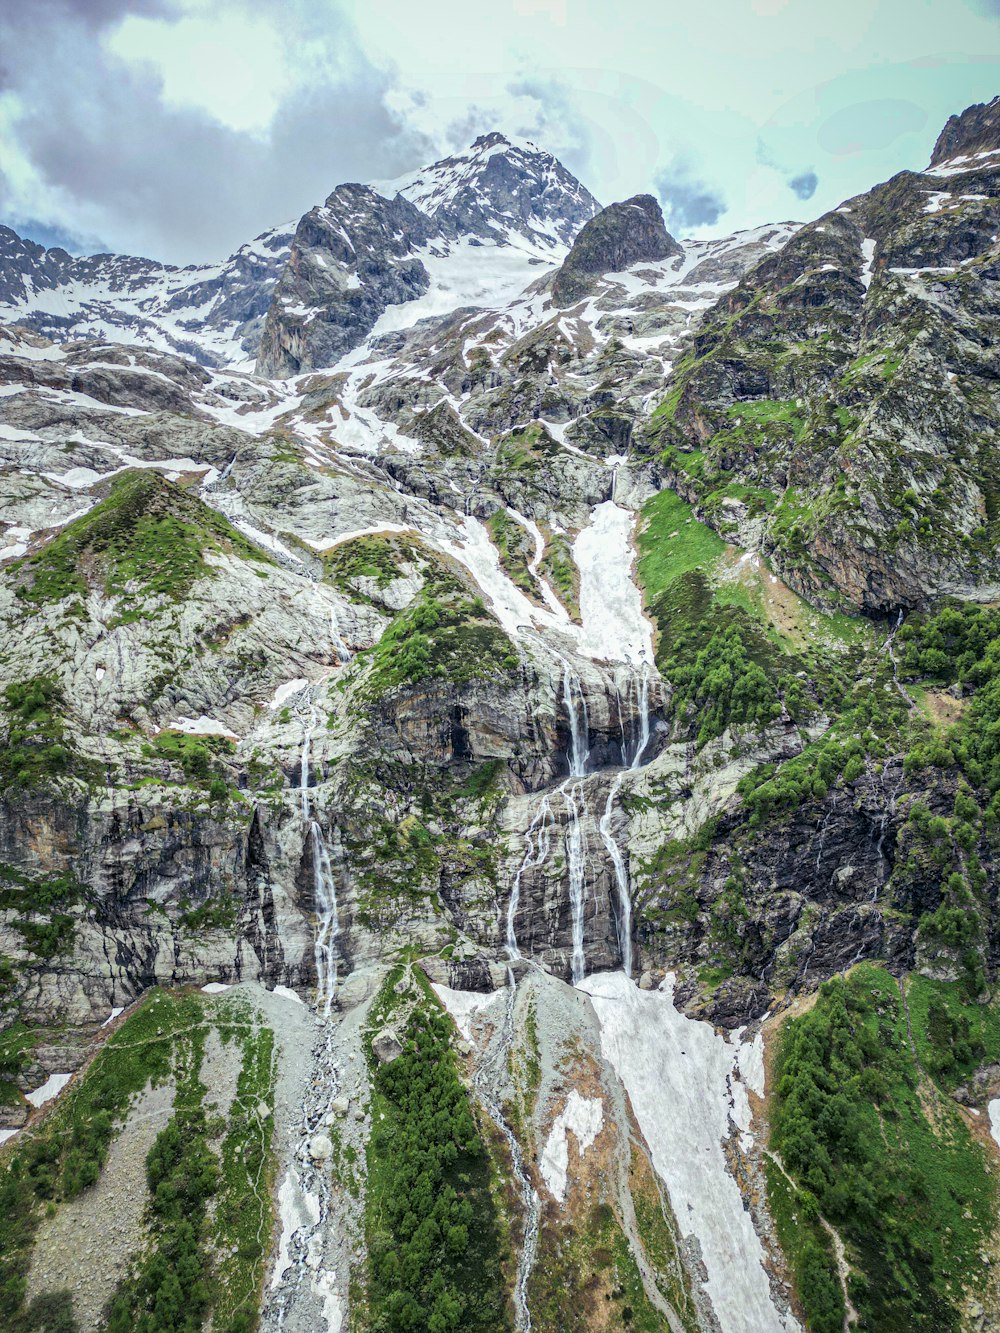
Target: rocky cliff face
369,248
617,238
845,380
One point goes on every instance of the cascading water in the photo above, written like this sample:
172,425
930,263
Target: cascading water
604,826
538,841
573,797
621,878
635,741
324,886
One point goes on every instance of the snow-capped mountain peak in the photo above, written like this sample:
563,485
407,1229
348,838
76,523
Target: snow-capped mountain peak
500,187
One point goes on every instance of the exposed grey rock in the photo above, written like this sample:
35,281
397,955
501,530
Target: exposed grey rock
618,237
387,1046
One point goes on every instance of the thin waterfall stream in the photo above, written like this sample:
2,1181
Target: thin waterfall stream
539,836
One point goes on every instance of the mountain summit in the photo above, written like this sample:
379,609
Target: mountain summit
417,242
500,188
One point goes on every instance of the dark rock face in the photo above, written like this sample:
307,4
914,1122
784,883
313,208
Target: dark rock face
357,254
976,130
619,236
350,258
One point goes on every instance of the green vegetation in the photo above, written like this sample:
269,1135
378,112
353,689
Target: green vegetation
434,1258
195,1266
198,757
559,567
882,1157
671,543
147,540
381,557
37,749
808,776
953,1035
443,633
589,1278
516,547
722,686
808,1247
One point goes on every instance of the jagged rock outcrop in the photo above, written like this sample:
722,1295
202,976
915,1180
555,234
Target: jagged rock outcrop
976,130
618,237
371,247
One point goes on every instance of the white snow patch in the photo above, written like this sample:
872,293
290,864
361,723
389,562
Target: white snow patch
6,1134
297,1209
286,691
994,1114
201,726
52,1087
287,993
215,988
113,1015
464,1005
681,1080
614,627
585,1117
327,543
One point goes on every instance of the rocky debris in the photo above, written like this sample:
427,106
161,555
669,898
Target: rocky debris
618,237
387,1046
89,1244
320,1147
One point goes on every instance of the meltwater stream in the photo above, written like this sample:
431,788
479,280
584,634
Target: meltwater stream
324,887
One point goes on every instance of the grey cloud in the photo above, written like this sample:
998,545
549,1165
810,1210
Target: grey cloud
688,201
171,182
803,186
50,235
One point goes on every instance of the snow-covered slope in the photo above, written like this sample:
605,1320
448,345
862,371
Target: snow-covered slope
503,190
210,312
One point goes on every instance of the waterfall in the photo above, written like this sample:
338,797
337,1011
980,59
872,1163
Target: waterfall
644,727
576,807
304,764
340,647
538,841
576,860
576,708
635,741
621,878
324,884
604,825
325,902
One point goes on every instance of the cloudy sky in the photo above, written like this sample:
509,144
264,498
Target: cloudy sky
180,128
